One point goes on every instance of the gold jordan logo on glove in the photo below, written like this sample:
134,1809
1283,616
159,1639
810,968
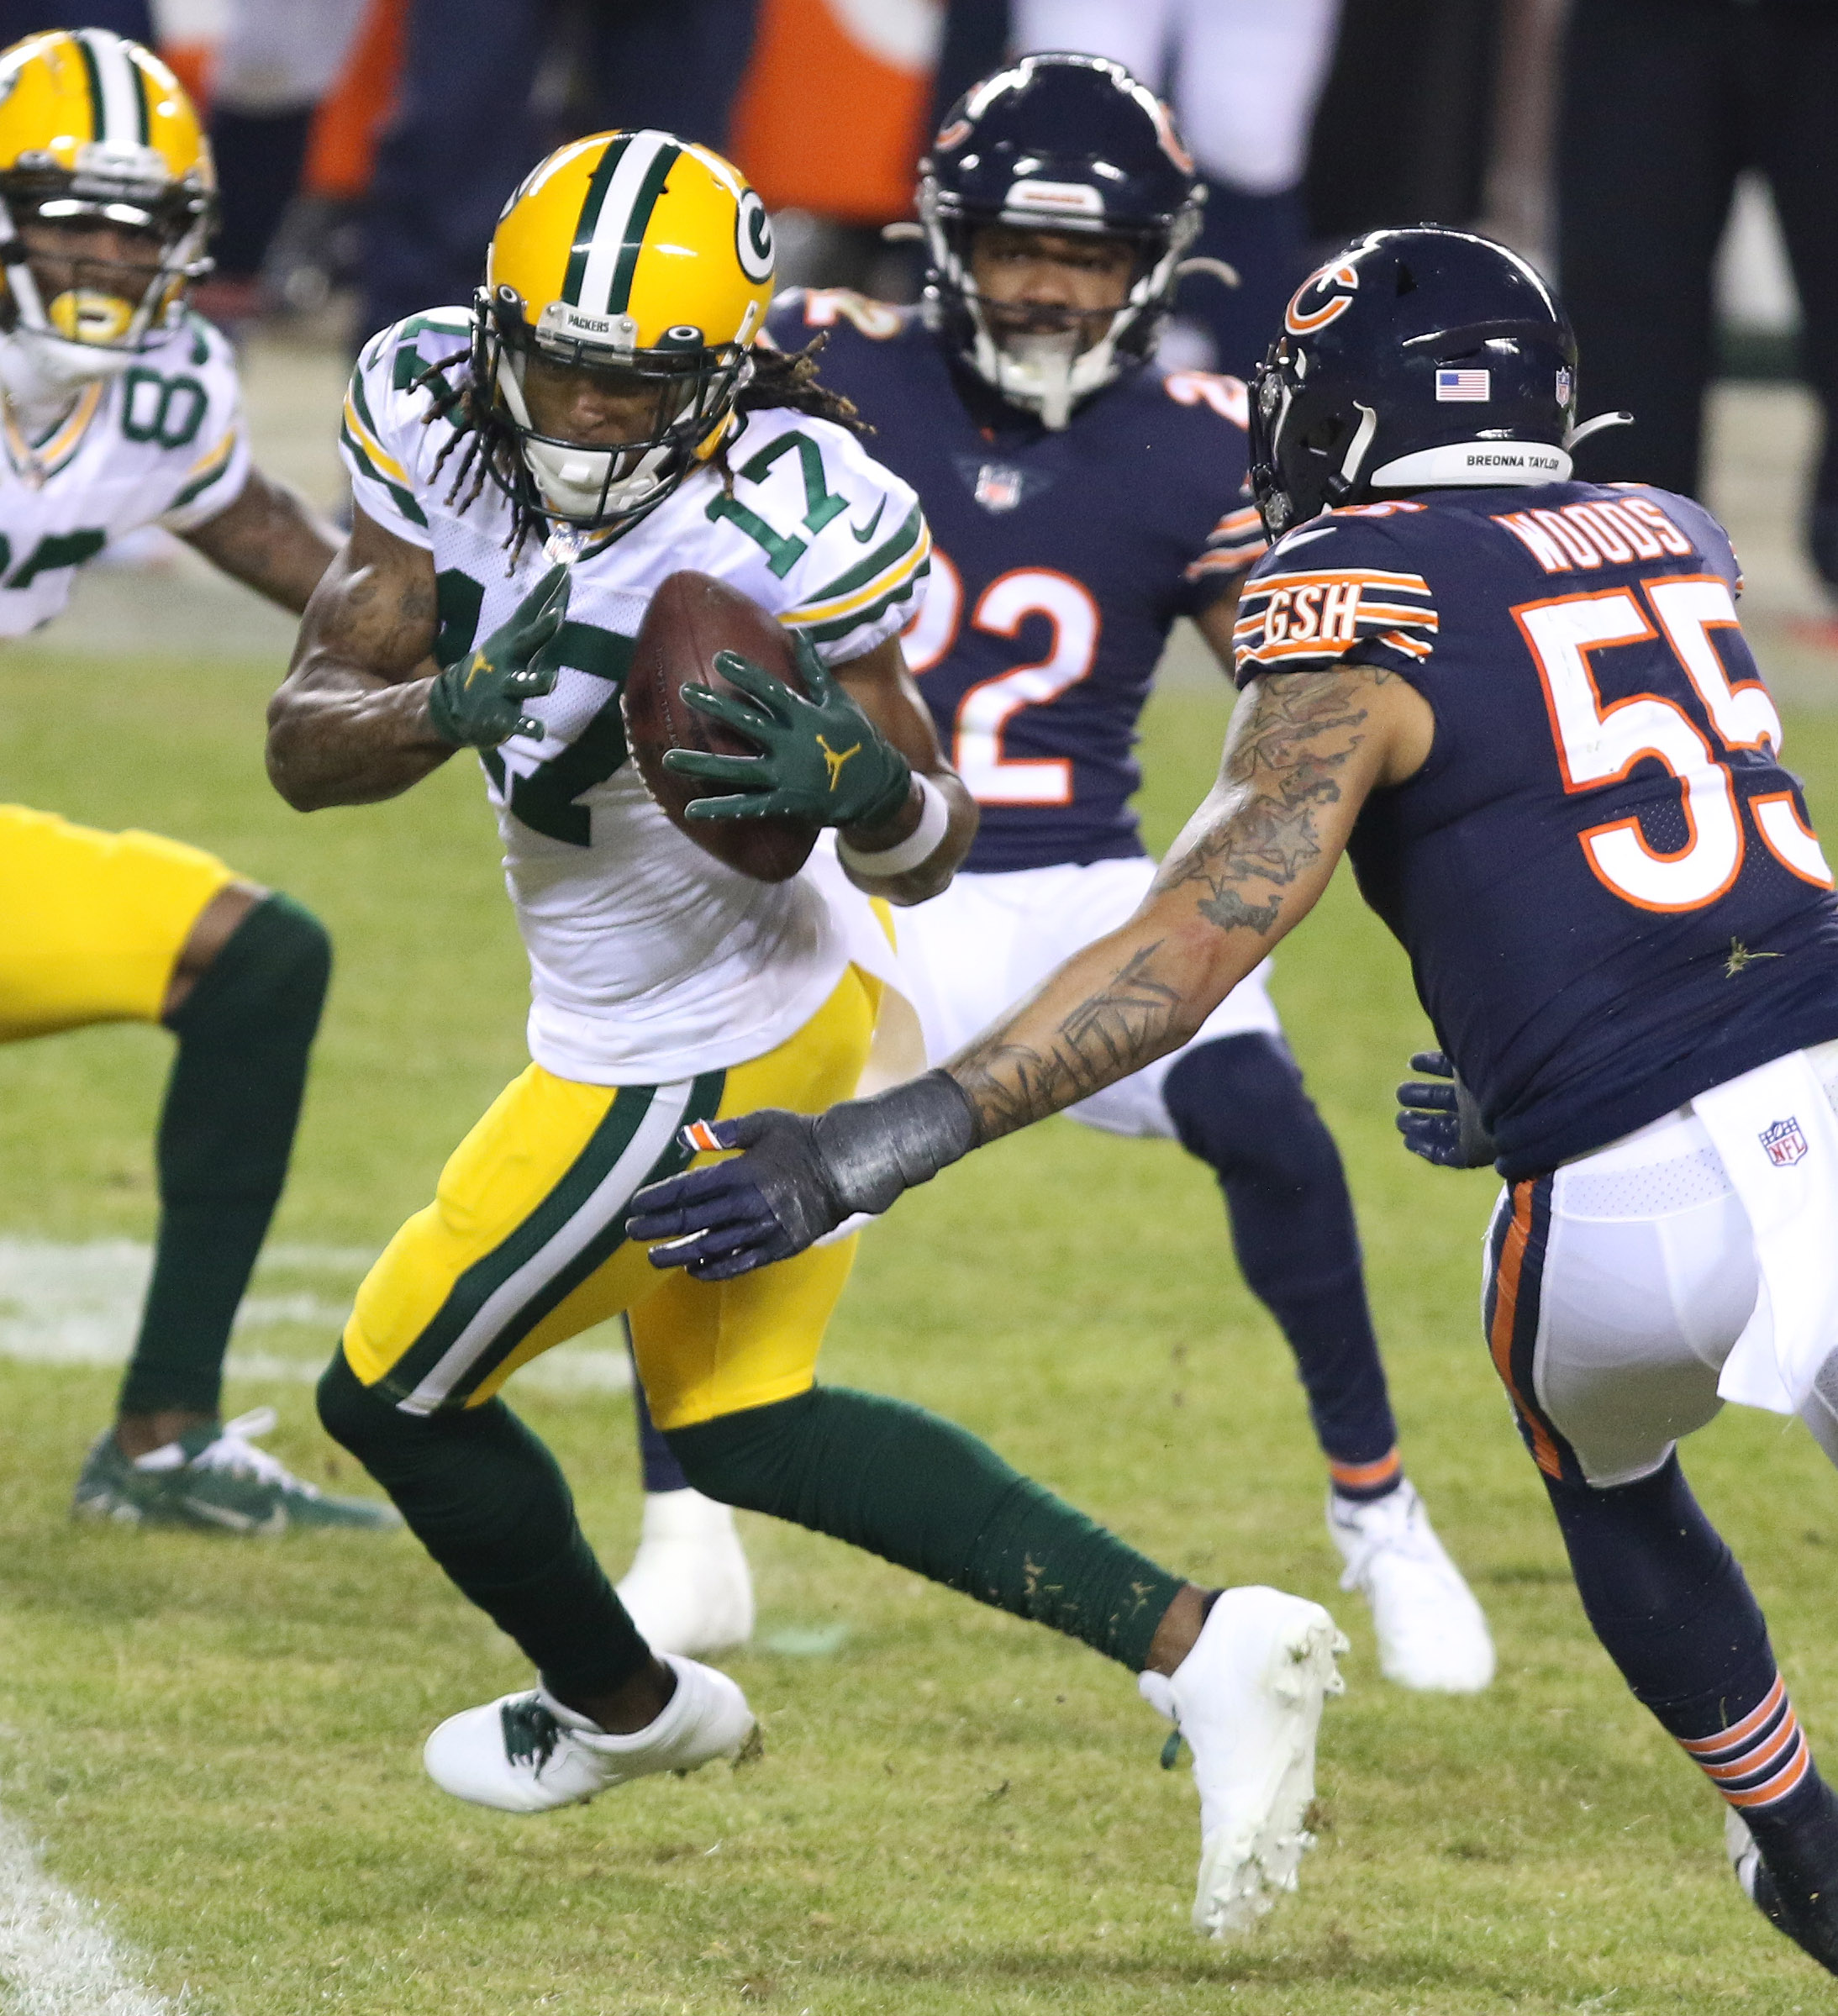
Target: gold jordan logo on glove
836,761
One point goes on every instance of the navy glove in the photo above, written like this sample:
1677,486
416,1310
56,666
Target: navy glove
800,1177
1442,1122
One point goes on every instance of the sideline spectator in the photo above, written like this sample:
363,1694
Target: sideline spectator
477,110
1664,103
277,62
1244,76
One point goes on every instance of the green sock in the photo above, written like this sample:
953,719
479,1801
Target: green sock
226,1131
920,1492
486,1499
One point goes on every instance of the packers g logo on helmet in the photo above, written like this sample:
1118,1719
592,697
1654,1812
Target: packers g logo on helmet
645,259
97,133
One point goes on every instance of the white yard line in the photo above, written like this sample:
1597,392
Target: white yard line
55,1959
81,1305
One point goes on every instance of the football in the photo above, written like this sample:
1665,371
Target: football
691,618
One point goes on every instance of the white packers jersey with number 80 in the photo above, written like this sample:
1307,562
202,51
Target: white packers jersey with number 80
649,961
162,444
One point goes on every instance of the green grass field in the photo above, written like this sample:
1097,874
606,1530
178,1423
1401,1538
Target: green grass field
219,1742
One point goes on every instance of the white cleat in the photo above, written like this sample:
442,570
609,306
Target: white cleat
1432,1634
687,1589
526,1753
1248,1700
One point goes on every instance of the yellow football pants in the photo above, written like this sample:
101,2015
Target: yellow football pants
524,1244
91,924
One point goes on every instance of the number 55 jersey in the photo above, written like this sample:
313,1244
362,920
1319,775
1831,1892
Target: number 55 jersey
649,961
1608,887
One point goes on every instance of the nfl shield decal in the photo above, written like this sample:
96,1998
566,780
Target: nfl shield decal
1001,486
1785,1142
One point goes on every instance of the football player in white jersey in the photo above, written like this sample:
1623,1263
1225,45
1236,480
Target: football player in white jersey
526,475
119,409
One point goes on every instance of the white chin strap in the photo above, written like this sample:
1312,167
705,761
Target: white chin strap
578,482
1474,465
1048,374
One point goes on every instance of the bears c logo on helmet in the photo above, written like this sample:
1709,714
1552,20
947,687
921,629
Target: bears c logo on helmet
1320,299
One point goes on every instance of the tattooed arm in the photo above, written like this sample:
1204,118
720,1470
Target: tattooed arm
350,723
1303,751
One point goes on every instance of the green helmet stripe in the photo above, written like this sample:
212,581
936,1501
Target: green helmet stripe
589,220
143,117
98,122
637,221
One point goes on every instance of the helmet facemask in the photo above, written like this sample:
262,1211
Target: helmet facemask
1046,357
79,310
670,404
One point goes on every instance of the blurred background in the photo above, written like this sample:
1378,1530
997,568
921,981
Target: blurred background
1673,164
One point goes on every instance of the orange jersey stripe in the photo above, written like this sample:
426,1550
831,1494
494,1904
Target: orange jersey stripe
1408,584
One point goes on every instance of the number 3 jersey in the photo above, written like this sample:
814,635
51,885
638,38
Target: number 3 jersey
1061,561
163,444
650,962
1607,886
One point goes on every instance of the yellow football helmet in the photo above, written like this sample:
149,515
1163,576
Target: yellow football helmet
97,135
647,261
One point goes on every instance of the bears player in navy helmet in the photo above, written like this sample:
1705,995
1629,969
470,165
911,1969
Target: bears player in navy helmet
1524,706
1081,499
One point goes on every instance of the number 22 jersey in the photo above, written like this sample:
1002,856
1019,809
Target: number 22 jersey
650,962
1607,886
1060,561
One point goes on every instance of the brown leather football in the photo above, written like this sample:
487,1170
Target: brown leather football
691,618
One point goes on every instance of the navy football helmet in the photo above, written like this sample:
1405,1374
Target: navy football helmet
1057,143
1415,360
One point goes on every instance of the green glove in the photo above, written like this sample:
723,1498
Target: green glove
820,759
479,702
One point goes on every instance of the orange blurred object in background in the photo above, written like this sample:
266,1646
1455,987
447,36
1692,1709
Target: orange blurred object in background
832,117
343,148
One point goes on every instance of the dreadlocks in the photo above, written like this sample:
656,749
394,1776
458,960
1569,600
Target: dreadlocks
487,448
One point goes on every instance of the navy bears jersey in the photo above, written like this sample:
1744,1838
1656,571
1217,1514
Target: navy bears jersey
1059,561
1607,886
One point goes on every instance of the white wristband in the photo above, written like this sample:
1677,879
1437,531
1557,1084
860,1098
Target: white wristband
920,844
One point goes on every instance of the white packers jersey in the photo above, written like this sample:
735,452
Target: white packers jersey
649,961
163,444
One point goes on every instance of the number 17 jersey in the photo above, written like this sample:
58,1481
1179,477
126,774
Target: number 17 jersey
650,962
1608,887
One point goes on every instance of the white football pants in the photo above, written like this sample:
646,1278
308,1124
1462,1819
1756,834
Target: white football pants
1615,1288
975,950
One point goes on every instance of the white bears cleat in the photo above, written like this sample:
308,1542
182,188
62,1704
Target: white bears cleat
687,1589
1248,1700
1432,1634
526,1753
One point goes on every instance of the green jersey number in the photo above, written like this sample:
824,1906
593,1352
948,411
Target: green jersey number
53,553
821,504
543,798
155,408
